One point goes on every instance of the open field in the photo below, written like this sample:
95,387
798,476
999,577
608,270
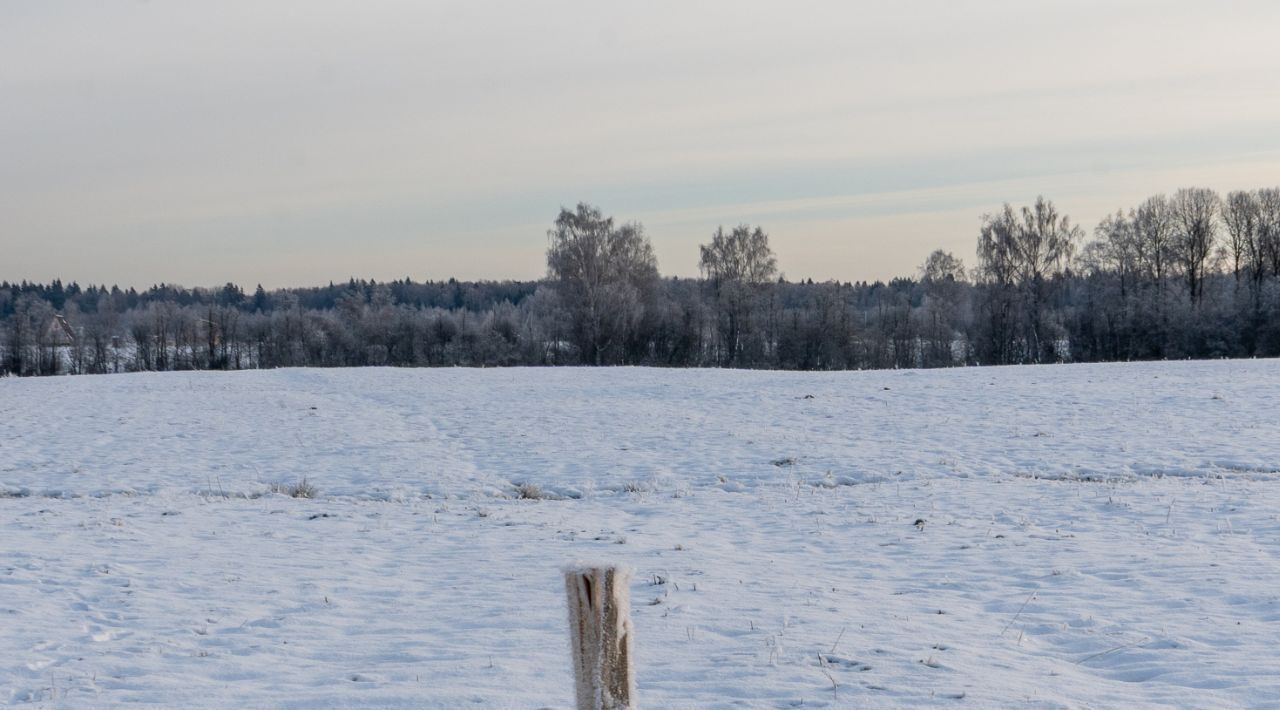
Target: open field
1058,536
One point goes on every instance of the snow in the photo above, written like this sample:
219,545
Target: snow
1088,535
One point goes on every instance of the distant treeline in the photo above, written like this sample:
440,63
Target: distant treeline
1191,275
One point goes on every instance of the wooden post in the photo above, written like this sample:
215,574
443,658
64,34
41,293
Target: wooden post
600,632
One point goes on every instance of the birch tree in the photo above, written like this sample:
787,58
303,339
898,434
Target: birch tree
1195,210
603,273
739,268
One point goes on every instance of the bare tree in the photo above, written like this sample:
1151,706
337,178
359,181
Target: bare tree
28,337
739,268
1240,215
1268,244
997,273
1153,226
1195,210
603,273
1118,249
942,276
997,247
942,267
1047,241
102,332
1027,253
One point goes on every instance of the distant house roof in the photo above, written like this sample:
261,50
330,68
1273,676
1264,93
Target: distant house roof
60,331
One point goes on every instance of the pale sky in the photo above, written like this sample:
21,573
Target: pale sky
294,143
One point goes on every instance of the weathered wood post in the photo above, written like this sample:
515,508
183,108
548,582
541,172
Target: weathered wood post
600,632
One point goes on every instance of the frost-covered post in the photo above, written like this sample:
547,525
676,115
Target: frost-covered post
600,632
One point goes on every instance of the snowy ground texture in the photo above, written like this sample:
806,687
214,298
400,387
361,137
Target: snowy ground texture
1062,536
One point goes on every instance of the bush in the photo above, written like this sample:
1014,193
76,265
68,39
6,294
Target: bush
530,491
301,489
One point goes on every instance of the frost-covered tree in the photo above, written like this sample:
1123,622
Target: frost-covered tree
1154,229
739,268
1195,211
1266,252
604,274
1240,216
1118,249
943,278
1022,252
996,274
30,348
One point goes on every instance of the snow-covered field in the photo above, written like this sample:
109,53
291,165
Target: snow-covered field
1060,536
